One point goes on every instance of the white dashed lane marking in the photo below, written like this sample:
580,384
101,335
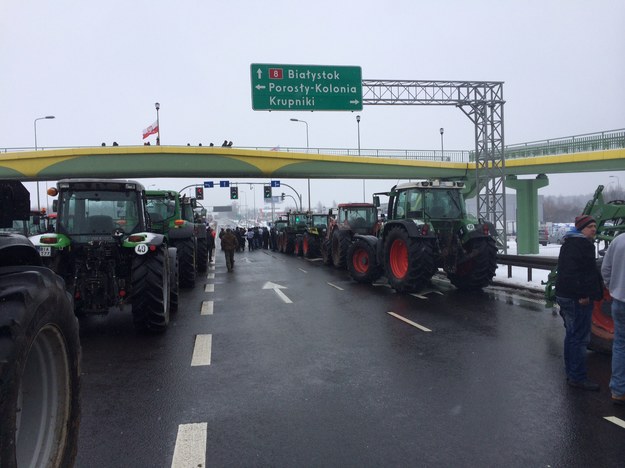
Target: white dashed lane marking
337,287
409,322
615,420
210,276
202,350
190,449
207,308
209,288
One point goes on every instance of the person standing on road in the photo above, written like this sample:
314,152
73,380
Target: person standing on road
229,244
578,284
613,272
210,237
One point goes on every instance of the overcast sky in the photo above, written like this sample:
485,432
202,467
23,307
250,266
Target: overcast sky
100,67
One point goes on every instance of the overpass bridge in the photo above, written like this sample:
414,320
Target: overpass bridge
602,151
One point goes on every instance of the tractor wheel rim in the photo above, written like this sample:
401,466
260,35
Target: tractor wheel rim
398,258
361,261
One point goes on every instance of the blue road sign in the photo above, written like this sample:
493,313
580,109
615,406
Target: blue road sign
275,183
208,184
224,183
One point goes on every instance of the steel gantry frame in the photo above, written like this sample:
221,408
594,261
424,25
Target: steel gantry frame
482,102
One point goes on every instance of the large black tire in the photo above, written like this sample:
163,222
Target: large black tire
475,270
174,280
150,291
310,246
202,254
39,369
340,244
186,262
326,252
289,244
408,261
362,263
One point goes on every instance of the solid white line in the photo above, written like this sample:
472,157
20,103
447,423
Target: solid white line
410,322
615,420
207,308
209,288
190,449
302,270
210,276
337,287
202,350
283,296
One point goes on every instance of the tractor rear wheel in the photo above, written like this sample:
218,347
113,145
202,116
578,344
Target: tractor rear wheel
362,263
150,291
174,280
408,261
326,252
476,269
39,369
186,259
202,254
340,243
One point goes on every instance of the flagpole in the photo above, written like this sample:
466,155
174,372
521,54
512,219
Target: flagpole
158,124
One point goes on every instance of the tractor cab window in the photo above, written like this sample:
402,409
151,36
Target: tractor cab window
98,212
161,208
400,206
443,204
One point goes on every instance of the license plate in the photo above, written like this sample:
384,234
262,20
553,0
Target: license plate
45,251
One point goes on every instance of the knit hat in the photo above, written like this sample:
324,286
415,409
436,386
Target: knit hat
582,221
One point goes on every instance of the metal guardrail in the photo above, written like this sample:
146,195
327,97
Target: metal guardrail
529,262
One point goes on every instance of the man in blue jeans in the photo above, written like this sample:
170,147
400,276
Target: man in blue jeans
578,284
613,272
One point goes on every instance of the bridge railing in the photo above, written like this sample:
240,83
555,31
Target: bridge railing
607,140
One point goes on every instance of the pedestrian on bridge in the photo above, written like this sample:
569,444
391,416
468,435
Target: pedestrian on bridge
578,285
613,272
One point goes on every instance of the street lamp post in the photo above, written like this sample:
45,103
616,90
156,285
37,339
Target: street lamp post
364,199
307,148
442,130
158,124
35,125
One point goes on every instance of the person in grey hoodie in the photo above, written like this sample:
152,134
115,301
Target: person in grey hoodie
613,272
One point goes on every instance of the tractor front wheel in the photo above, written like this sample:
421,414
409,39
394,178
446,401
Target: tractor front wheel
362,263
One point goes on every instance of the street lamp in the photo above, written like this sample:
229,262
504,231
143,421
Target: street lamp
364,199
158,124
307,148
442,130
35,125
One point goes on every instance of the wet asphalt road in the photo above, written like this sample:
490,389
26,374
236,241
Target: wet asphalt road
332,379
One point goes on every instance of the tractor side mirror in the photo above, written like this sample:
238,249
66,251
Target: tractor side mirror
376,201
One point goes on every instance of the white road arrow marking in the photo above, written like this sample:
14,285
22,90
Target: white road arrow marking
246,260
277,288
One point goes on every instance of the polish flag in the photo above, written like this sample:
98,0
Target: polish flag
151,130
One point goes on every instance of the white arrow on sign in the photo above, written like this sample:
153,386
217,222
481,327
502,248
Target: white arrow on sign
354,101
277,288
260,86
259,73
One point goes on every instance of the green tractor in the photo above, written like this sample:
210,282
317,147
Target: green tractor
308,244
427,227
178,218
105,251
610,218
287,233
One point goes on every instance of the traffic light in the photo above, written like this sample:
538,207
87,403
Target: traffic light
283,195
199,193
234,193
267,191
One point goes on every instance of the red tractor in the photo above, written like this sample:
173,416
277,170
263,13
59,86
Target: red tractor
349,219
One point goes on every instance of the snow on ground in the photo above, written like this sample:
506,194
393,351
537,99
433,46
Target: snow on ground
519,274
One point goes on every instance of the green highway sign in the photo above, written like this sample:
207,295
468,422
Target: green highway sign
306,87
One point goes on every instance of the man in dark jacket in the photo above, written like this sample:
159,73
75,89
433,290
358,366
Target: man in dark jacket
229,243
578,284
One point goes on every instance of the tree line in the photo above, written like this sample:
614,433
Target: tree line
563,209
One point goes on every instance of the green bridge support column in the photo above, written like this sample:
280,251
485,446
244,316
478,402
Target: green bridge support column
527,211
